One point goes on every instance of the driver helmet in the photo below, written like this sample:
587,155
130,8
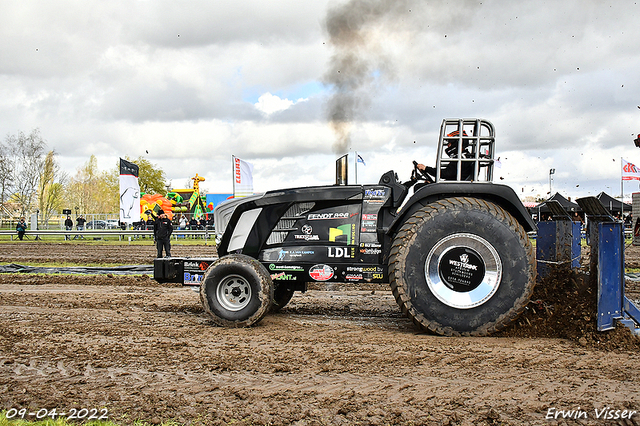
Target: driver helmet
452,145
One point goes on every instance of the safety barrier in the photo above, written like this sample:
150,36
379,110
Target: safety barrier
558,242
606,238
121,234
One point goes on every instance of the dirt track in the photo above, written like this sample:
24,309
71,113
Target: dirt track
146,351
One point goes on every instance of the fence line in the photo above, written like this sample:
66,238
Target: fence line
55,221
180,233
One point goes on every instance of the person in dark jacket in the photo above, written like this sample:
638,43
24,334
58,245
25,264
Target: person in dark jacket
68,225
21,228
80,221
193,225
162,230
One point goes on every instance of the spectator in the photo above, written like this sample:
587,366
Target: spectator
162,230
68,225
21,228
203,223
193,225
80,221
183,222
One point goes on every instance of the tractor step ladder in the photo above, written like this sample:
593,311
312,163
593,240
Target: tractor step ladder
606,238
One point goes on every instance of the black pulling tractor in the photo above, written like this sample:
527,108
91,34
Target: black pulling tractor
456,252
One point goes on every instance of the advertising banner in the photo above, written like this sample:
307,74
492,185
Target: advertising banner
129,192
629,171
242,178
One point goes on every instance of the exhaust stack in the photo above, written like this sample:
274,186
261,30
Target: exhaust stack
341,170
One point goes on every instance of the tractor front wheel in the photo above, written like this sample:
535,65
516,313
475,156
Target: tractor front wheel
236,291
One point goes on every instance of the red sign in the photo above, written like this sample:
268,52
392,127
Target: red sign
237,170
321,272
629,171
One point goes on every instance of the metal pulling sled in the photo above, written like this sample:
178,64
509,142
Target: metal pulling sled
606,238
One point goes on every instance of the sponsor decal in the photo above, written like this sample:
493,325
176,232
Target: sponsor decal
369,216
368,225
190,278
353,277
374,201
463,263
283,276
306,234
202,266
273,267
375,193
372,269
306,237
370,251
342,233
288,254
371,245
322,216
284,254
461,269
343,252
366,272
321,272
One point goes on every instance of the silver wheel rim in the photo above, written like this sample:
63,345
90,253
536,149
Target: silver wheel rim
233,293
463,256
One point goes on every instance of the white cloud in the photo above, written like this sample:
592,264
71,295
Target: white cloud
268,103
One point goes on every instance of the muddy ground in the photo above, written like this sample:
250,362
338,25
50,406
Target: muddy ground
141,350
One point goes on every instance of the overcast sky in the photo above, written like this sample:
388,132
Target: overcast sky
189,84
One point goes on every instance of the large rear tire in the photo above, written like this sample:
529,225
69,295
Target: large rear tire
236,291
462,266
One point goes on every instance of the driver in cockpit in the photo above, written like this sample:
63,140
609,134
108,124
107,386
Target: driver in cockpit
450,171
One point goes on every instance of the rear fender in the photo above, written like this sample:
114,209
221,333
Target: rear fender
501,195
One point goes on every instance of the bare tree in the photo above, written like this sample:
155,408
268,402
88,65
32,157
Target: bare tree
28,165
6,171
26,154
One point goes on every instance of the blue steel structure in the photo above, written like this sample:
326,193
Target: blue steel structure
557,242
606,238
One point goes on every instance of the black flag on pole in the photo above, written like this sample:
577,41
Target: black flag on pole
129,192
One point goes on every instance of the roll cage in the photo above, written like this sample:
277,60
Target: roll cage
475,140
